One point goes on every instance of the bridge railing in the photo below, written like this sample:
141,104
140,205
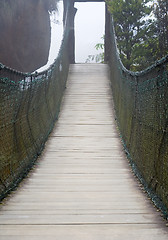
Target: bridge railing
29,107
141,105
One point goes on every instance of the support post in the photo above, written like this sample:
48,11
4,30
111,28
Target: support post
68,18
107,35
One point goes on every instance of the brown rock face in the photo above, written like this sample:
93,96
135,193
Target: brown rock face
25,34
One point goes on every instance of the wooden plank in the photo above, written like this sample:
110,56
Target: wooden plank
82,187
84,232
68,219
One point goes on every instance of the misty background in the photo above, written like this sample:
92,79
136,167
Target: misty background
89,29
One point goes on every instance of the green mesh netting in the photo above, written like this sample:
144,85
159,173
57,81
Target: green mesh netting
141,104
29,106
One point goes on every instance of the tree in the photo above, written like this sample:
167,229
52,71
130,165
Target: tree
155,45
145,52
161,27
130,25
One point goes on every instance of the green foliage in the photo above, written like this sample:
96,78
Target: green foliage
161,27
133,31
98,58
141,39
145,52
130,26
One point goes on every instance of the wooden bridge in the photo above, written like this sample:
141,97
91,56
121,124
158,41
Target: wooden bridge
82,187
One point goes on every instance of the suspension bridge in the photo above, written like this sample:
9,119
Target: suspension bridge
80,184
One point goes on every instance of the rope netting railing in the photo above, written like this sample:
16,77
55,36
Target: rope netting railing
29,107
141,105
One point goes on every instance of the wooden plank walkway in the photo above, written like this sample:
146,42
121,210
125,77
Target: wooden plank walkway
82,187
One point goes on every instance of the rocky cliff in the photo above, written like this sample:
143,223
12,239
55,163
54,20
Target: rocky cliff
25,33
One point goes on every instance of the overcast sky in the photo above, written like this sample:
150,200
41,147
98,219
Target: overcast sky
89,28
